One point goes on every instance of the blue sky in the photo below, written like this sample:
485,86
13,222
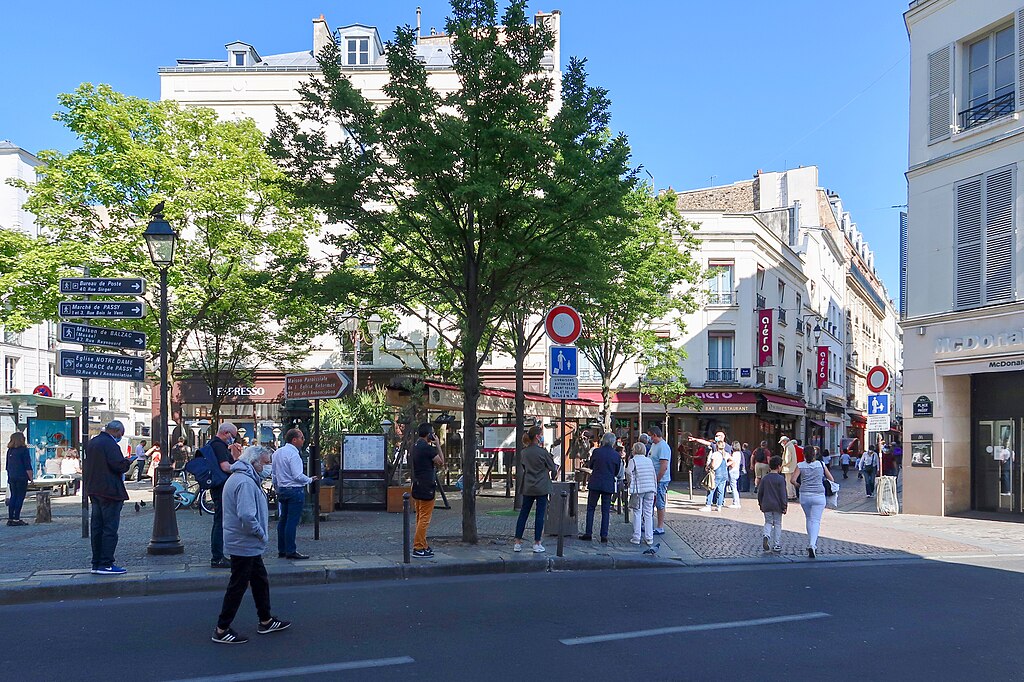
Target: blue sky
703,89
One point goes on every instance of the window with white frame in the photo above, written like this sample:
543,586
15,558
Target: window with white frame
721,349
984,238
585,370
12,337
239,58
990,78
781,359
358,51
10,374
720,283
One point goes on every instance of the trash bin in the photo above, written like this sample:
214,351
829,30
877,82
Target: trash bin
569,523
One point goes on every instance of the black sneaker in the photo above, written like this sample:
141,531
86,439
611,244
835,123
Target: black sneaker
810,553
586,536
764,544
273,626
422,553
229,636
220,563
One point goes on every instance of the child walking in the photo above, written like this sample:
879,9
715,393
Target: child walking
772,498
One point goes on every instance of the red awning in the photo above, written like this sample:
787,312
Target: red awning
714,397
857,419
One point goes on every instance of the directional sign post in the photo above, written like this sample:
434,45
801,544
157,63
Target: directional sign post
114,310
73,363
101,336
316,385
878,412
103,286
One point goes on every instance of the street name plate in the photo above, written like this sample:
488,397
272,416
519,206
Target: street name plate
315,385
564,388
73,363
115,310
103,286
101,336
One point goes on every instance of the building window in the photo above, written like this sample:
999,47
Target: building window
358,51
720,284
10,374
586,371
781,360
12,337
990,79
239,58
721,346
984,243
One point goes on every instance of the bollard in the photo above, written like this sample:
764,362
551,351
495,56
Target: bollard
561,520
624,494
406,557
689,478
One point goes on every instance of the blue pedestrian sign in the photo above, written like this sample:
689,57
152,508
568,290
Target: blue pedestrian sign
563,361
878,403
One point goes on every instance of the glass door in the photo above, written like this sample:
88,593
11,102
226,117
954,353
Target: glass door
997,470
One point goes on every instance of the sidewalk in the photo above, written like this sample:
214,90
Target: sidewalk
51,561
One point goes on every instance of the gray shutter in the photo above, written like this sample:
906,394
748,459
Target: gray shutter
999,200
940,101
968,243
1020,59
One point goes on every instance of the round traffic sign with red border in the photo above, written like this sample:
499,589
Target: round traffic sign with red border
563,324
878,379
43,390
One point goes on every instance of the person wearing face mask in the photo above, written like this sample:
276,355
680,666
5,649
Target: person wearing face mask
105,467
221,446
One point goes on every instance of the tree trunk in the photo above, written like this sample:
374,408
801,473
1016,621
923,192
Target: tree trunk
471,390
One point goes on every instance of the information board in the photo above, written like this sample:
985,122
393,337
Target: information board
363,453
499,438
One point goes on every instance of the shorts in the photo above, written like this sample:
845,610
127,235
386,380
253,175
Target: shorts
761,470
661,498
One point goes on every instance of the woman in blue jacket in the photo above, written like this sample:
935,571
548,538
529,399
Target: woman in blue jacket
19,473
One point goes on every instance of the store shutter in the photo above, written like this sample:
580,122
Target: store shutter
968,243
940,102
999,200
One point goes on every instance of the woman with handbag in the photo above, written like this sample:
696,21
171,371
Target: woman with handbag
812,476
643,483
716,478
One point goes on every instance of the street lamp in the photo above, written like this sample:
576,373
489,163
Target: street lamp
639,366
817,331
354,326
161,240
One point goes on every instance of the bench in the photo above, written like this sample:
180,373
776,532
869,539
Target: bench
51,483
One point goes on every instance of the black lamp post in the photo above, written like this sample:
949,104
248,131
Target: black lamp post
161,240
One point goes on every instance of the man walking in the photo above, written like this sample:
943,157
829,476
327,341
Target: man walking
138,461
661,456
290,483
426,457
788,464
245,540
220,444
105,467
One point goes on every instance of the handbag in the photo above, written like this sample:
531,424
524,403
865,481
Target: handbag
709,479
829,490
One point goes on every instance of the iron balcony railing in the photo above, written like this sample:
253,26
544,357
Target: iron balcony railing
721,298
987,111
800,387
761,303
782,383
782,315
759,376
721,376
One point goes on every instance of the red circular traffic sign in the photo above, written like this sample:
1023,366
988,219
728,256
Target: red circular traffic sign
878,379
563,324
43,390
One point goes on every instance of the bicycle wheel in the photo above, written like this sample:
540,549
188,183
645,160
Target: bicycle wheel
206,502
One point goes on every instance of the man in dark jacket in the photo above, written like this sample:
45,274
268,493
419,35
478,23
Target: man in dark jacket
103,475
606,465
221,444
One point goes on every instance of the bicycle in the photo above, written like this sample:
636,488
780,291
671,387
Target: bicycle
189,495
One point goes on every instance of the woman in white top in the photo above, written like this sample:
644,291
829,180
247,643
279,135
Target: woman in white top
811,474
735,464
643,483
71,466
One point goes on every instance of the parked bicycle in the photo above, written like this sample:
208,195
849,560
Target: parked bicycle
189,495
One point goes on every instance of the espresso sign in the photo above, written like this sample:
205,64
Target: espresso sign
765,319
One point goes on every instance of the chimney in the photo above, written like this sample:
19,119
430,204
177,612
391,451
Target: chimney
321,35
419,33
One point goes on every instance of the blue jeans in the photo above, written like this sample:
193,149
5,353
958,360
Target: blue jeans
217,534
290,501
716,496
606,509
19,488
524,514
106,519
869,482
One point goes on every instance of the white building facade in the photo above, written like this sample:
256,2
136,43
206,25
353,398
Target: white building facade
964,319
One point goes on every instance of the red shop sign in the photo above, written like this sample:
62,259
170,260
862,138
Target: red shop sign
823,355
765,319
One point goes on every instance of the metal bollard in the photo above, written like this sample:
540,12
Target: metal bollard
624,495
689,478
561,522
406,549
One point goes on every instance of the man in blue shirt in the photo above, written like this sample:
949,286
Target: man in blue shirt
661,454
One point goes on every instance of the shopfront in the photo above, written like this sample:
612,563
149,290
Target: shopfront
252,403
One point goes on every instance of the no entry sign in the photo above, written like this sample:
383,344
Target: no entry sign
878,379
563,325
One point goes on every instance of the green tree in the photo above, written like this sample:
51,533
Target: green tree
653,270
458,199
242,245
664,380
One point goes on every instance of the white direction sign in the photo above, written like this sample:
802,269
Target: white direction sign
563,387
878,412
563,361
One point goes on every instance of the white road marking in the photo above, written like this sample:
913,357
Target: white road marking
594,639
303,670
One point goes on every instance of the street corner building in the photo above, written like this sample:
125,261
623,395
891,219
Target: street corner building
963,318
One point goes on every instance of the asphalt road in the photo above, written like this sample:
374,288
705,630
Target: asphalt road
857,621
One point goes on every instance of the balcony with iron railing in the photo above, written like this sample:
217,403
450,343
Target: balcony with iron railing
717,375
761,302
982,113
782,383
759,376
782,316
800,387
722,298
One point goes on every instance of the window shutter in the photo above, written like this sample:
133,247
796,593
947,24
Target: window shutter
968,243
940,104
1019,24
999,199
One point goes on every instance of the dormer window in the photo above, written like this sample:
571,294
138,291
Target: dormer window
358,51
238,58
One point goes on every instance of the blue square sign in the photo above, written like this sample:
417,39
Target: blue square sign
563,361
878,403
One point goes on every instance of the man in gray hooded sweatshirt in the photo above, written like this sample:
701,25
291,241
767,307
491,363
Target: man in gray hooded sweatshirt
245,540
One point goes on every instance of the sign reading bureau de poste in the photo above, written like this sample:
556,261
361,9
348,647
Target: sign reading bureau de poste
103,286
316,385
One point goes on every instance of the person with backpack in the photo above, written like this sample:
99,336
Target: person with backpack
759,463
219,447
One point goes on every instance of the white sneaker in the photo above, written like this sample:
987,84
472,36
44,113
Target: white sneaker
734,506
518,547
635,541
705,508
538,548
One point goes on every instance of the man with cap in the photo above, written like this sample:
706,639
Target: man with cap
788,464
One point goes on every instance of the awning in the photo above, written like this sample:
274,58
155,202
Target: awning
850,445
783,405
502,401
715,402
857,419
818,422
